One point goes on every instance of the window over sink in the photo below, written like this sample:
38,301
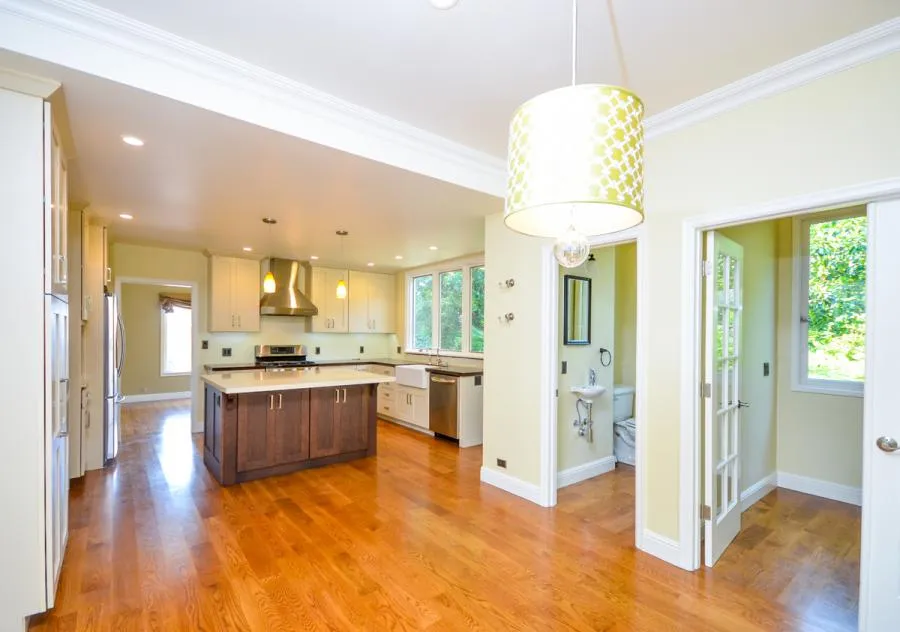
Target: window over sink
445,308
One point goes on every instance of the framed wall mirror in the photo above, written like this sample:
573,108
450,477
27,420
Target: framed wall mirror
576,310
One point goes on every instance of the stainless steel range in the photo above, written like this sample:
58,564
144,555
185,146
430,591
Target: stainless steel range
277,358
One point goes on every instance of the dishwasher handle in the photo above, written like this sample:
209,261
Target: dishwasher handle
443,380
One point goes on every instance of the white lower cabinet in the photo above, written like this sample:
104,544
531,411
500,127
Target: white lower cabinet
411,405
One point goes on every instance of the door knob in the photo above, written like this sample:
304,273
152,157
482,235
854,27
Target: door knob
887,444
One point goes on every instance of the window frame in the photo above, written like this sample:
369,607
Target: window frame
800,380
465,265
162,344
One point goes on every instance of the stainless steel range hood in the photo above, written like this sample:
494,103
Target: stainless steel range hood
291,284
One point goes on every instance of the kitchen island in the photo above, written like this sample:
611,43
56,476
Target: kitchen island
259,424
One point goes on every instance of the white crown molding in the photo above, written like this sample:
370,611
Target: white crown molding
27,84
859,48
95,40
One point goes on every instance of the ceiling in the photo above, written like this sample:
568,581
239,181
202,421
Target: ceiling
461,73
204,181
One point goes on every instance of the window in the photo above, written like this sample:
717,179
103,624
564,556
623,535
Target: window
832,303
175,341
446,309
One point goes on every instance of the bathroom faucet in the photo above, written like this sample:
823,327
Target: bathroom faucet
592,377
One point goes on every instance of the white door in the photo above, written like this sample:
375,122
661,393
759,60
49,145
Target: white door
57,491
879,603
722,418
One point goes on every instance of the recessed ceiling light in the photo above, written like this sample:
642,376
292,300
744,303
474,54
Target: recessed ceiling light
371,264
313,257
444,4
134,141
126,215
398,257
248,249
432,247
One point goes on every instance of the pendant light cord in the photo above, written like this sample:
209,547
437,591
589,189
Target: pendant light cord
574,39
617,42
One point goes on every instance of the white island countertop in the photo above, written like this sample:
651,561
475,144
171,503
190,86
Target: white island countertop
260,381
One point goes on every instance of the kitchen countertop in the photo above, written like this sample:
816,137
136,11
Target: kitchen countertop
257,382
453,369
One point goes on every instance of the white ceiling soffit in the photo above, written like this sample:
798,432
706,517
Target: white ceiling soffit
100,42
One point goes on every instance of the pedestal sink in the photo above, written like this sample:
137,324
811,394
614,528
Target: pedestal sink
588,392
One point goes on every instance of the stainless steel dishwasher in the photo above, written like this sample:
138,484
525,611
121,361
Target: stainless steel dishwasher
443,405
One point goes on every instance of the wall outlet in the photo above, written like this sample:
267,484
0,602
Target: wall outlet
398,350
204,344
501,463
565,367
226,352
318,350
362,349
765,369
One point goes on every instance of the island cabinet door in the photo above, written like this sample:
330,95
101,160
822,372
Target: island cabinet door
255,431
291,426
352,419
324,435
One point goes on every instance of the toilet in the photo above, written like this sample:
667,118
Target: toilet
623,424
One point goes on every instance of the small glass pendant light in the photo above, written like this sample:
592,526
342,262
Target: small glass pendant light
341,290
269,280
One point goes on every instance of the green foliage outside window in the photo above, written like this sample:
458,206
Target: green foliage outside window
451,310
837,299
422,311
477,320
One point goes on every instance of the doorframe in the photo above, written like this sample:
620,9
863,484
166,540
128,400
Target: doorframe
691,358
549,374
196,400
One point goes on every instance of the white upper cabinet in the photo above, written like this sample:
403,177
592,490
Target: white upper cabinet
234,287
333,314
56,209
372,302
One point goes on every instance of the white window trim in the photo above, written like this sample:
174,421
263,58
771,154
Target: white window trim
162,347
465,265
800,380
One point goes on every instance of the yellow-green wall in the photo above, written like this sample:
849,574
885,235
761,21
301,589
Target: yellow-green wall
625,360
141,316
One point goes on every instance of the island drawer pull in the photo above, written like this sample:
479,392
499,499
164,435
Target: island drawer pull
280,400
271,402
345,395
337,396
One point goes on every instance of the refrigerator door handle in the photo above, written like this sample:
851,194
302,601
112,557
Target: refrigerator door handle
120,361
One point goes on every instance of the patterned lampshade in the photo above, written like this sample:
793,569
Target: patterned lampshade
576,158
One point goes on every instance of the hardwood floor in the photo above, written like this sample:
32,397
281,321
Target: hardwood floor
137,421
410,540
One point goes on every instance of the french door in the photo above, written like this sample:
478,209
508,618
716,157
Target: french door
722,389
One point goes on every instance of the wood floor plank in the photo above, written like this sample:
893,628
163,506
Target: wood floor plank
412,540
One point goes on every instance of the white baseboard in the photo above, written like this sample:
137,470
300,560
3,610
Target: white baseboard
155,397
758,491
585,471
660,546
818,487
511,484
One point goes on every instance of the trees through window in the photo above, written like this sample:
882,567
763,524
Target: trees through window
446,310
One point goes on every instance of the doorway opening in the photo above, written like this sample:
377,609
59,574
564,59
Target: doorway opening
157,368
597,358
783,321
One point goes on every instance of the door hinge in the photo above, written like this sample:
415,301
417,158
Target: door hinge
705,512
706,390
706,268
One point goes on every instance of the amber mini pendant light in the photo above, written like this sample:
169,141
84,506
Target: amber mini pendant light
341,290
269,280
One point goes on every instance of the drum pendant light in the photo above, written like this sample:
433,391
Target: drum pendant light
341,290
576,161
269,279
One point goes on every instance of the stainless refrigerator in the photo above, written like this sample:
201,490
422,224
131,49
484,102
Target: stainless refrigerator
114,360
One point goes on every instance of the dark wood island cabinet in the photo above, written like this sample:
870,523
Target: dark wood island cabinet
251,435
